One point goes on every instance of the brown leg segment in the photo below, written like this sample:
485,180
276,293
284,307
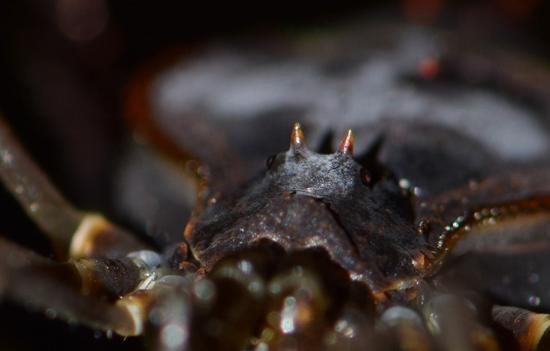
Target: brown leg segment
531,330
70,291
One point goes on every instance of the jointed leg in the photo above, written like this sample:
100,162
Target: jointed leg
531,330
60,288
74,233
101,267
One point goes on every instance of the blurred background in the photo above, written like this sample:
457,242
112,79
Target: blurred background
65,64
65,68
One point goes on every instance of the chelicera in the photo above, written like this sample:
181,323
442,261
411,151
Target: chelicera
352,248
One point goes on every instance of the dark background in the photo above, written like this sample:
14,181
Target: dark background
65,66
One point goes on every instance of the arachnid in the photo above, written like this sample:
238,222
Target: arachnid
427,231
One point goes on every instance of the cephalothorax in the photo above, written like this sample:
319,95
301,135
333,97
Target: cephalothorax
414,236
309,200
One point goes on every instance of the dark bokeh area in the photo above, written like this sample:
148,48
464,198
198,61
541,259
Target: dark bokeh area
65,66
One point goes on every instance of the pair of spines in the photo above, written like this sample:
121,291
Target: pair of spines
297,140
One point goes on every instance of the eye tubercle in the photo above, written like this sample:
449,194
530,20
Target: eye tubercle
297,140
346,146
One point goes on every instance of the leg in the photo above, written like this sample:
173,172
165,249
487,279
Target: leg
103,262
531,330
499,248
56,289
73,232
468,211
